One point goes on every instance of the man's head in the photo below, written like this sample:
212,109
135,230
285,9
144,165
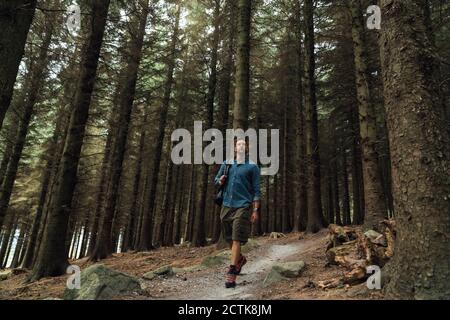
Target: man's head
240,147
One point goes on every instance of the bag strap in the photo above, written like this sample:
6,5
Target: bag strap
225,171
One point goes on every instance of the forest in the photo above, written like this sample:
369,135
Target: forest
89,100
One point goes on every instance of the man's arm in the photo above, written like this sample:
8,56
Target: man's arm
219,174
257,196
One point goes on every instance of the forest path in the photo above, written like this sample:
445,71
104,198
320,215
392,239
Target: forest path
209,283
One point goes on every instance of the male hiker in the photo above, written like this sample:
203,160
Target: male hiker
241,200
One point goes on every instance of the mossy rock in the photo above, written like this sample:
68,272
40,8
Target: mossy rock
162,271
291,269
272,277
100,283
213,261
284,271
249,246
5,274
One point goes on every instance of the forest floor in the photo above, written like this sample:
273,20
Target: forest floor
209,283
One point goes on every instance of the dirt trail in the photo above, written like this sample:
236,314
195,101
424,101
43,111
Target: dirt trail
209,284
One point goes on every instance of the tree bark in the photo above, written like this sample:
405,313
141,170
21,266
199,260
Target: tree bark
9,225
375,206
52,154
130,237
145,241
15,21
301,213
420,151
30,97
315,219
198,238
12,133
242,89
103,247
346,198
358,196
52,258
18,247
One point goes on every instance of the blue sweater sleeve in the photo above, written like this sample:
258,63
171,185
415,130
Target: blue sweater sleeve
219,174
256,183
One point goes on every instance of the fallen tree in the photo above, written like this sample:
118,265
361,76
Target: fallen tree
355,250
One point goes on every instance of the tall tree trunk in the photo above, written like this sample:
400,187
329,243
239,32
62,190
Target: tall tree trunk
315,218
9,244
375,206
60,137
18,247
164,215
357,198
337,205
7,152
224,93
52,258
198,238
32,238
15,22
242,90
168,230
9,225
331,214
30,97
224,96
145,241
301,213
346,198
179,210
420,151
129,239
190,206
84,239
104,247
103,183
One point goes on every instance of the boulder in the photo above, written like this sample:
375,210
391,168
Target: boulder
250,245
150,275
99,283
283,271
162,271
291,269
272,277
213,261
5,274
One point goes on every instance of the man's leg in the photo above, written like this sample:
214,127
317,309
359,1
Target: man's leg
235,252
241,232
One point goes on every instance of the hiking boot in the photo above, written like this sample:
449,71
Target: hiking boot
231,277
241,262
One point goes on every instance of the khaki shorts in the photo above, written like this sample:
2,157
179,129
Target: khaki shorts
236,225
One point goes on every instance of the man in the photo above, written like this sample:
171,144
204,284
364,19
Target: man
241,202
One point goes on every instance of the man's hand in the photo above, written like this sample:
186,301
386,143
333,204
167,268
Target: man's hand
254,217
222,179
